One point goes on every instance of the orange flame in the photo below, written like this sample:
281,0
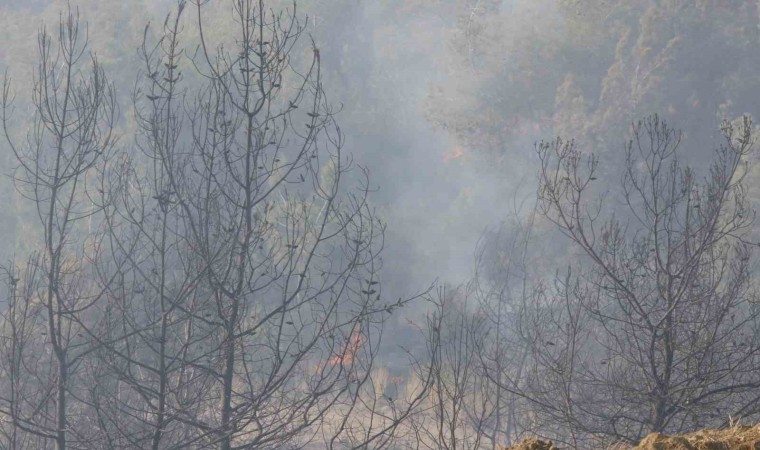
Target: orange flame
455,153
348,350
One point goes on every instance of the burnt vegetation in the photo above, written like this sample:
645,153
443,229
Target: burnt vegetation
206,264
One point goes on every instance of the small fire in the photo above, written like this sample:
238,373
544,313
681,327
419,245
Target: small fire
348,350
455,153
396,380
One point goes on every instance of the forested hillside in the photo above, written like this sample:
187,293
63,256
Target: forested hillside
427,224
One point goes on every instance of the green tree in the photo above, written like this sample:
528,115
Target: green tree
591,68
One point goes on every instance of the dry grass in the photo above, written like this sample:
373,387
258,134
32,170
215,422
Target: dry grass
733,438
533,444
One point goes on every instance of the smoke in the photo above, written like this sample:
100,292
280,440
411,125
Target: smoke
436,195
381,60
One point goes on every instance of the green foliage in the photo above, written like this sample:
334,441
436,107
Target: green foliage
591,68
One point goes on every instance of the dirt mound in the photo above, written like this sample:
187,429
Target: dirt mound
734,438
533,444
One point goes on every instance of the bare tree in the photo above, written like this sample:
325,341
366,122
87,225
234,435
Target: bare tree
152,339
247,311
656,328
476,356
70,135
20,335
458,408
217,288
501,286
